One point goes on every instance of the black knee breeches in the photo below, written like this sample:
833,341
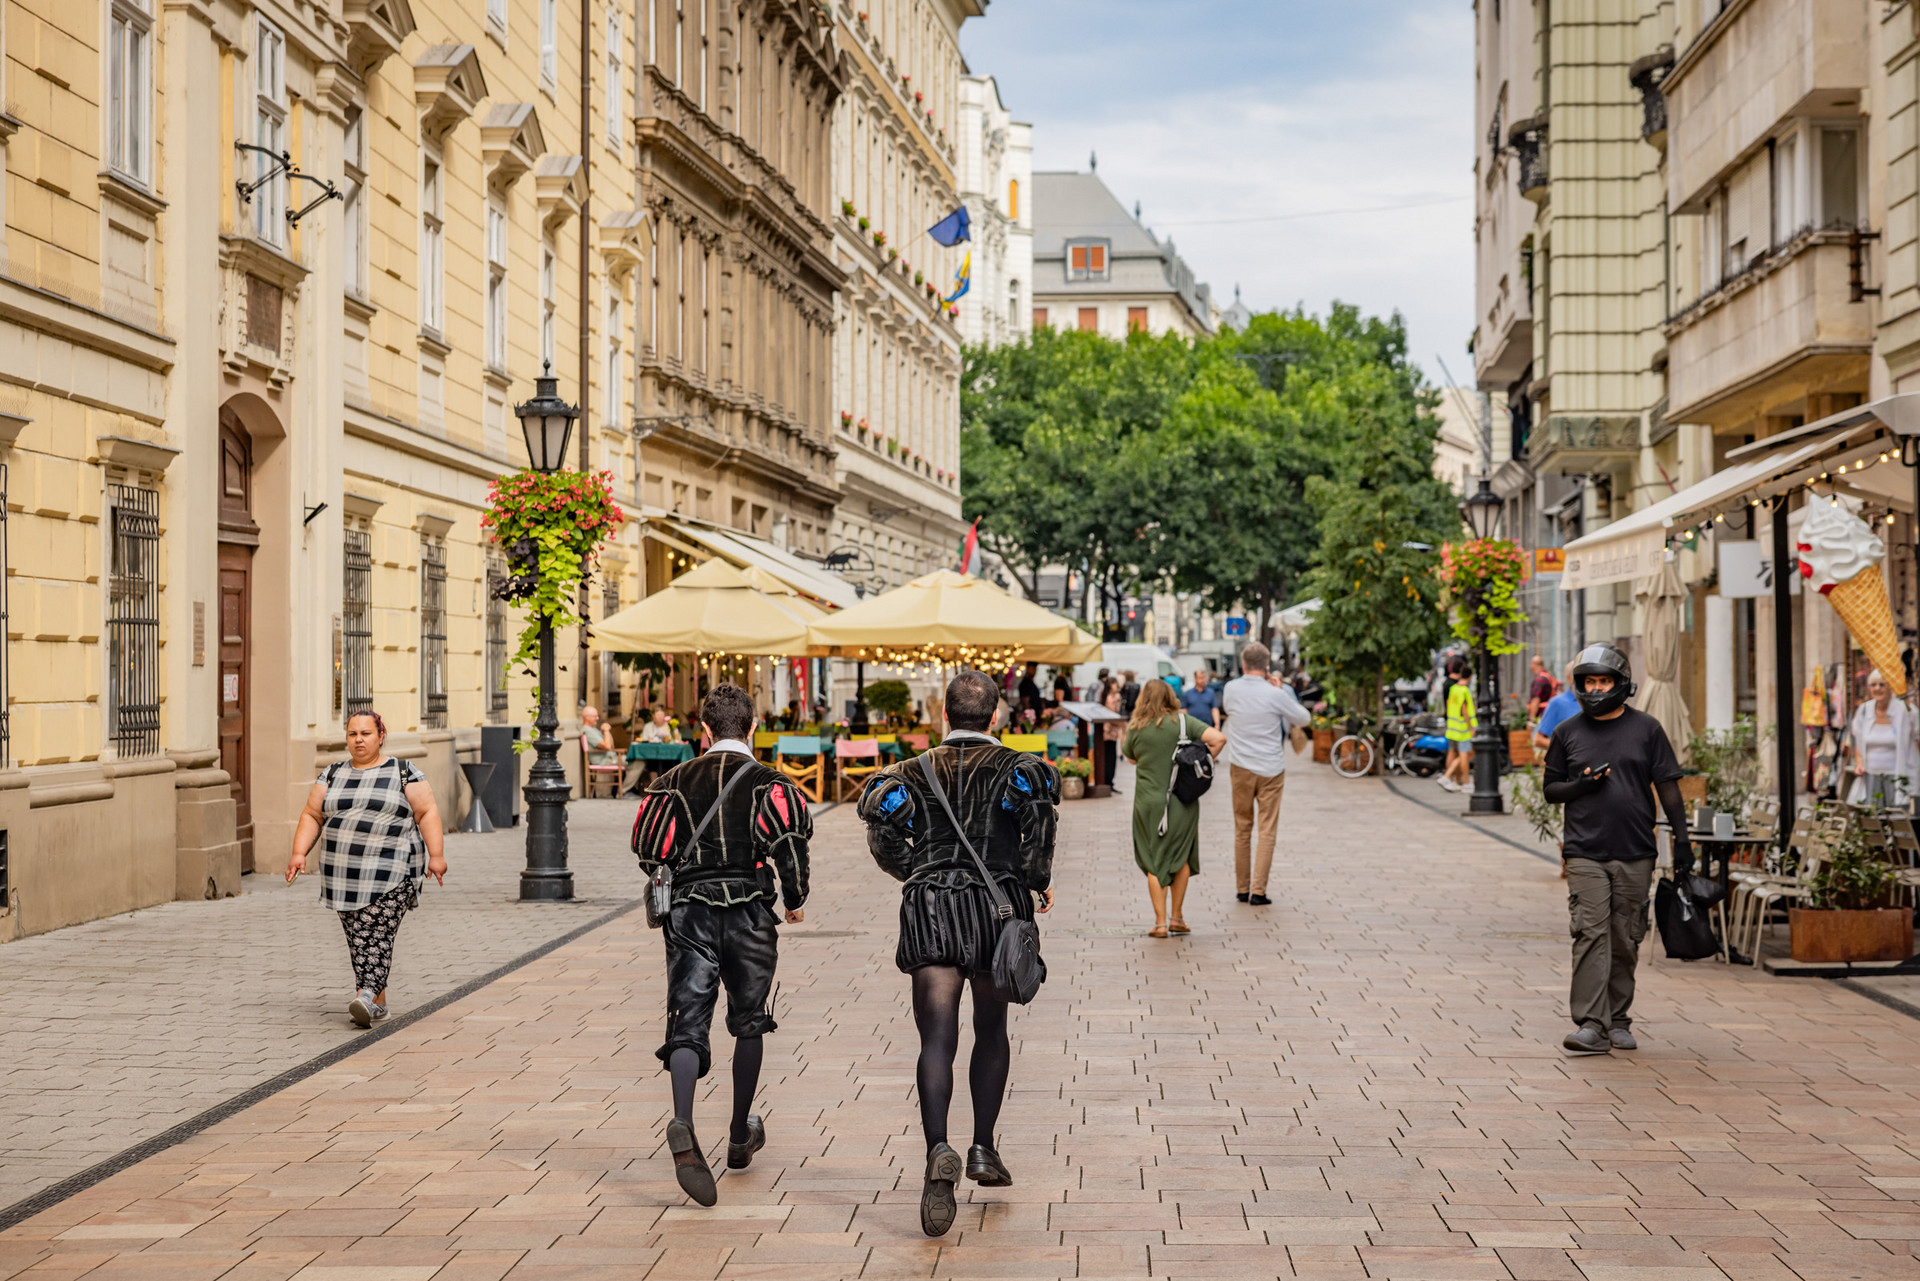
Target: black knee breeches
709,947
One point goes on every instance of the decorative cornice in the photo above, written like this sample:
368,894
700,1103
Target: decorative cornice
625,239
377,29
559,189
138,455
447,87
510,142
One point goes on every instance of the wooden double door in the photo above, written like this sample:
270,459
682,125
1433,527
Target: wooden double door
239,536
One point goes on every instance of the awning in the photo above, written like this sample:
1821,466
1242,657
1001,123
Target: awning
744,549
1635,545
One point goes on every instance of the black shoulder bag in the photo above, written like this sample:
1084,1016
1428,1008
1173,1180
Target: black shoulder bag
660,885
1191,774
1017,970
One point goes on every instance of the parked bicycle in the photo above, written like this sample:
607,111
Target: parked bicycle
1409,745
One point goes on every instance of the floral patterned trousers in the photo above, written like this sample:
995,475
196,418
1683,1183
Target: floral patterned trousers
370,934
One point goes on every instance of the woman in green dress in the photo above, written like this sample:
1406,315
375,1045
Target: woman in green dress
1153,733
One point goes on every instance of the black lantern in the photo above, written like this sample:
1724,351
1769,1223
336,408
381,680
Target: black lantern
1482,511
546,421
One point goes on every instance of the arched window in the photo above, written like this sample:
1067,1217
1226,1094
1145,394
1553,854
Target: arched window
1013,199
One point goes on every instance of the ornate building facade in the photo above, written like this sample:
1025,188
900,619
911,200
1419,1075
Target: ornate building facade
996,182
896,360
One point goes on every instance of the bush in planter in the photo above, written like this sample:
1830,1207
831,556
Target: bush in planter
1730,759
1852,879
889,698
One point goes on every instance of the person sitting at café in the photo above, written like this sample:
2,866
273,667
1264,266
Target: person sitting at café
595,738
656,729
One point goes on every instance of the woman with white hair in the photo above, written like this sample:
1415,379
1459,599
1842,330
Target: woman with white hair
1883,749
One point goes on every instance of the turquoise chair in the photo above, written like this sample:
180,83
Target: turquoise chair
811,777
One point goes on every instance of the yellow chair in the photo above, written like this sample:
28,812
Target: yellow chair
848,750
1034,743
810,779
763,741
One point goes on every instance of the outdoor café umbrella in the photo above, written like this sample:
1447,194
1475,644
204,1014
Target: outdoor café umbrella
1296,617
944,617
710,609
1661,595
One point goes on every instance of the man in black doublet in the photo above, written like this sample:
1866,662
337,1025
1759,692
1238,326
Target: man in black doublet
1007,802
723,929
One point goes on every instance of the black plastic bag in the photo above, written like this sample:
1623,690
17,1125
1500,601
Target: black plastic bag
1685,930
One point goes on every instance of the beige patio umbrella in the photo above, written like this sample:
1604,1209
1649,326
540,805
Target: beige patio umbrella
944,617
711,609
1661,595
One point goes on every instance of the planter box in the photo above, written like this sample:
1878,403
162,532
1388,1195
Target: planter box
1520,747
1322,746
1883,934
1073,789
1693,789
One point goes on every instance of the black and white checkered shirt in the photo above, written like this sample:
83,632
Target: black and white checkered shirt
370,842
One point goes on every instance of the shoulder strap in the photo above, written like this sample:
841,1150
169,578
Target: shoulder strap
1002,908
1173,772
727,786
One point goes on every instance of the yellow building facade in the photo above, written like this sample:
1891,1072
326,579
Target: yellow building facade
274,277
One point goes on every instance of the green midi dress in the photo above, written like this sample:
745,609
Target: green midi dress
1150,748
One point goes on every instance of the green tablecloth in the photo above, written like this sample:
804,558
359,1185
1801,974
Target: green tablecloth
675,752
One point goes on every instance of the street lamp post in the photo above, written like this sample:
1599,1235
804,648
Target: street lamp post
1482,513
546,421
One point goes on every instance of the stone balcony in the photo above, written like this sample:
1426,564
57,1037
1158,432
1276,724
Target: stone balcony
1759,342
1584,444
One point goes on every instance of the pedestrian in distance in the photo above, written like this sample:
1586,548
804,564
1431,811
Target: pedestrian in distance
381,837
1562,706
1202,700
1111,732
1606,765
1260,715
1062,686
1541,689
724,823
1028,693
1006,802
1098,690
1462,720
1129,691
1166,830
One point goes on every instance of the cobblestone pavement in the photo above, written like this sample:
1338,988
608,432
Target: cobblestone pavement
1361,1081
116,1030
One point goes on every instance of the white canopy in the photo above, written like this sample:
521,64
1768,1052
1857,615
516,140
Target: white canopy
1294,618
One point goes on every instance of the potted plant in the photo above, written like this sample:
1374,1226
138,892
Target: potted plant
864,222
846,207
1727,762
1530,802
879,240
892,699
1519,735
1850,913
1075,771
1326,728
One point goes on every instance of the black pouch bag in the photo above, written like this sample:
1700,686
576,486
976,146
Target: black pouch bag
1685,931
1191,775
1018,970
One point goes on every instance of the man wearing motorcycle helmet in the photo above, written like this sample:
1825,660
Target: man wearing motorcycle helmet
1605,765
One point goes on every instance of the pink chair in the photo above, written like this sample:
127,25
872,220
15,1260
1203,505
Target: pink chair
853,749
918,742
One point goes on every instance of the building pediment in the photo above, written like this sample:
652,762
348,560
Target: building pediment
559,188
625,239
376,30
510,142
447,86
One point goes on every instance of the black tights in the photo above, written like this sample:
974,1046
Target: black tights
685,1067
936,1012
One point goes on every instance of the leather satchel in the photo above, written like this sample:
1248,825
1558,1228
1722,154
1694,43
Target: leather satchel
1017,968
660,884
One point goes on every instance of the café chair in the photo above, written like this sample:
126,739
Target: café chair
810,778
849,750
1033,743
610,777
1062,740
763,741
918,742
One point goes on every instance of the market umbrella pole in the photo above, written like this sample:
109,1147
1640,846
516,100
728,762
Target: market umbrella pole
1785,565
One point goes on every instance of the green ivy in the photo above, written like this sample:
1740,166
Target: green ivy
551,527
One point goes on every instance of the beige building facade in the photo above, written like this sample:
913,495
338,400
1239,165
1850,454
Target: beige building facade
996,182
896,355
257,372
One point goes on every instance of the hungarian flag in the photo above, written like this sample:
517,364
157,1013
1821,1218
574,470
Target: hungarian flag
970,549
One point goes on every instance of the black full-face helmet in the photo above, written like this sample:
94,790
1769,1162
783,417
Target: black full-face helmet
1602,659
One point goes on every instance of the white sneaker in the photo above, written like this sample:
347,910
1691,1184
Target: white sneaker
1448,784
361,1008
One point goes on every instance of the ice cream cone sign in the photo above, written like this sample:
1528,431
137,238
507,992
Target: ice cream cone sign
1840,555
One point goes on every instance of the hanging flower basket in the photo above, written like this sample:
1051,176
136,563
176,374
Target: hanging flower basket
1480,589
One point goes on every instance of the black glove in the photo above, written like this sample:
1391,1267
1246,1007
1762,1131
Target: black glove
1682,860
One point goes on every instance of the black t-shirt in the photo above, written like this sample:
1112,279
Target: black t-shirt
1614,823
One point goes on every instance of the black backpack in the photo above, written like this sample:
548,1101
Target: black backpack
1192,773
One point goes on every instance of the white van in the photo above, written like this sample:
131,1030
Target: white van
1145,661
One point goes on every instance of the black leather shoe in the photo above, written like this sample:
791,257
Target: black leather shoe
690,1163
937,1207
740,1155
1241,897
1259,900
985,1167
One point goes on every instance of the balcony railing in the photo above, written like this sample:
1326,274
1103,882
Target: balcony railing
1569,445
1528,138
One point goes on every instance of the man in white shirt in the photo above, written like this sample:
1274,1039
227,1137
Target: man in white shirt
1260,715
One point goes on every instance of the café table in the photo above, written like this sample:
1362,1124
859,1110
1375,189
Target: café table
640,755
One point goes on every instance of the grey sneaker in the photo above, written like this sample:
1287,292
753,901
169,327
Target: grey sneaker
1588,1040
379,1012
1622,1039
361,1008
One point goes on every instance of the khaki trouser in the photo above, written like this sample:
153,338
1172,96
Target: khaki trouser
1607,904
1249,789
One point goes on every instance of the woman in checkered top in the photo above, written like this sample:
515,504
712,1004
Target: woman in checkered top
382,836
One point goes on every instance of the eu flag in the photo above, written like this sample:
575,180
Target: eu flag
954,228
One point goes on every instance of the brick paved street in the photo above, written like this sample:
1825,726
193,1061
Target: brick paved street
1362,1081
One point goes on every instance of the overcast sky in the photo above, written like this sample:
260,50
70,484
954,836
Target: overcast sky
1210,110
